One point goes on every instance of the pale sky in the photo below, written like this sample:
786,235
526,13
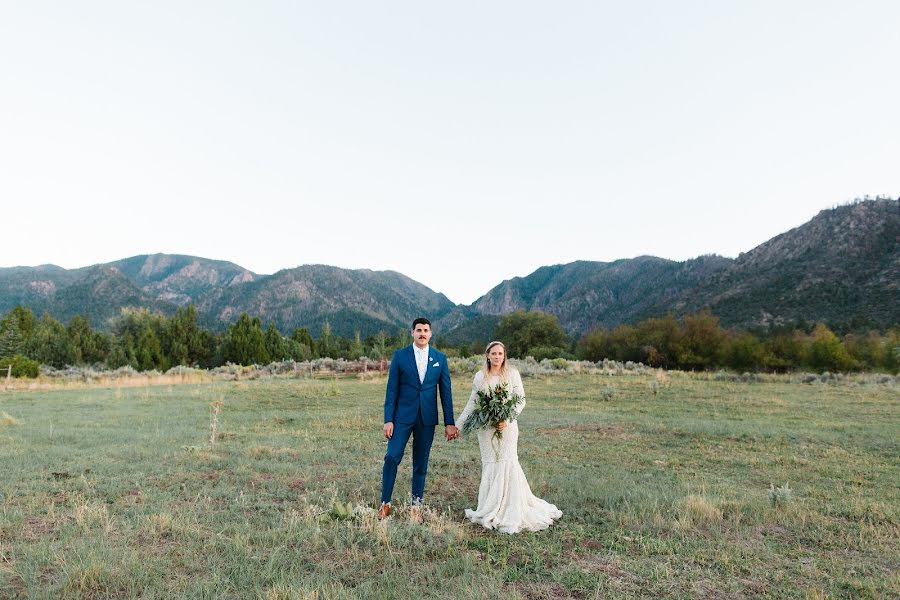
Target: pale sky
460,143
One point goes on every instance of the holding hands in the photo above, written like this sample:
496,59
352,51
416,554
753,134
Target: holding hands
451,432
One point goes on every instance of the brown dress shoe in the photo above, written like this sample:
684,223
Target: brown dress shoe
384,512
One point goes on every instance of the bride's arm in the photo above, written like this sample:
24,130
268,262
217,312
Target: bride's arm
470,405
519,390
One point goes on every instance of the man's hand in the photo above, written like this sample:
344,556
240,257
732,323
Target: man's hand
388,430
451,432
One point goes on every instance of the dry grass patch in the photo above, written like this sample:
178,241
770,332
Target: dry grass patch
38,528
140,380
258,452
372,376
161,525
7,420
287,592
697,512
93,580
93,515
637,520
708,590
608,565
538,590
166,528
593,429
7,571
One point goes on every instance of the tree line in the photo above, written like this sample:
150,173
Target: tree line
698,342
147,341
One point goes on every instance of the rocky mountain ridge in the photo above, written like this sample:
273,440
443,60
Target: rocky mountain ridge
843,266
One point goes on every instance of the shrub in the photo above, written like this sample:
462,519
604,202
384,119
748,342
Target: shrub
558,364
826,351
21,366
541,352
779,497
464,366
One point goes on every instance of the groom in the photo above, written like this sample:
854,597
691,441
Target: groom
410,408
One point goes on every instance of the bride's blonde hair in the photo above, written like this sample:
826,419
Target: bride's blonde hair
486,370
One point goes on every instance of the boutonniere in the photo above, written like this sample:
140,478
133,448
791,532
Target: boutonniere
430,359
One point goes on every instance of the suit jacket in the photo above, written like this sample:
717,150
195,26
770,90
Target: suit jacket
405,396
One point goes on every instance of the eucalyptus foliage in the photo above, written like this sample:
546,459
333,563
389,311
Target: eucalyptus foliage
493,405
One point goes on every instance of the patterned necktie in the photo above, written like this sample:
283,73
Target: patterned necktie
421,357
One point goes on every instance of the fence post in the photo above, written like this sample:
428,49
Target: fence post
9,372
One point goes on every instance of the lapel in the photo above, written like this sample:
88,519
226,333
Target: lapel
411,359
431,360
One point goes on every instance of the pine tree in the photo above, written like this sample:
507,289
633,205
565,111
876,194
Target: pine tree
379,347
183,341
137,334
356,348
303,347
275,346
245,342
50,344
16,329
149,352
11,342
88,346
325,347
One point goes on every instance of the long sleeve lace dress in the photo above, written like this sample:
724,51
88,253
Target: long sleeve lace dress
505,501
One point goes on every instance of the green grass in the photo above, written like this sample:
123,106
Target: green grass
118,493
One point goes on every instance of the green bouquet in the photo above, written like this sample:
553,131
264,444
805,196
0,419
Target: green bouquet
494,405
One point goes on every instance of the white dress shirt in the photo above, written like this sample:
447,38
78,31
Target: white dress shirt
421,361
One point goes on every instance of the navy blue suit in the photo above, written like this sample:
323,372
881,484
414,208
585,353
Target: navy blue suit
411,406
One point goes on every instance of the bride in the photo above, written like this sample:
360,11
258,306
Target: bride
505,501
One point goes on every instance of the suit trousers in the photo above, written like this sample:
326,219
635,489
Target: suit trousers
423,437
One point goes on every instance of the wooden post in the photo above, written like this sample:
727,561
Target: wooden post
9,372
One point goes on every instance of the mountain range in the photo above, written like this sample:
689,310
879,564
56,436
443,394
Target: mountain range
842,267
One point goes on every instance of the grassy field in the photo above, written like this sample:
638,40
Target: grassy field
117,492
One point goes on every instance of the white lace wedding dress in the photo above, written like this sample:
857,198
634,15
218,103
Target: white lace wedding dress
505,501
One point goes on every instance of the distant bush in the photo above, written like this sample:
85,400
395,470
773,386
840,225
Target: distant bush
529,367
557,364
745,377
464,366
546,352
183,371
21,366
780,496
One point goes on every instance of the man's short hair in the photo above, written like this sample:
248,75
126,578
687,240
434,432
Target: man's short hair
421,321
